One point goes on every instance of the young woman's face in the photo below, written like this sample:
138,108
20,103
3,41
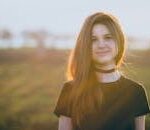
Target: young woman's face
104,46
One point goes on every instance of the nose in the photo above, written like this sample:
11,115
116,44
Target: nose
101,43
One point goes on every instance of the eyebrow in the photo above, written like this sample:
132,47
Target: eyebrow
107,34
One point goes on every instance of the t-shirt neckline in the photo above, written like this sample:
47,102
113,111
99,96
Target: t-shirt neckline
111,83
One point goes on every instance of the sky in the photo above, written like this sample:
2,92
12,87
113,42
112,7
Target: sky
67,16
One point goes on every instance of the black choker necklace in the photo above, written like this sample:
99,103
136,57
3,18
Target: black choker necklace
104,71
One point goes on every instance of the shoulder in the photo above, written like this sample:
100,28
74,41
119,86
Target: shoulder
68,82
136,85
67,85
65,90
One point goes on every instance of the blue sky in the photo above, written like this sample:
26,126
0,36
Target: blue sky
67,16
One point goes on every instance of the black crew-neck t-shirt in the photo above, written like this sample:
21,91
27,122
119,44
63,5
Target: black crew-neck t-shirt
125,99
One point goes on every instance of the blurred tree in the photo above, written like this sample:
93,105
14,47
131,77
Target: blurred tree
43,38
6,37
56,39
39,37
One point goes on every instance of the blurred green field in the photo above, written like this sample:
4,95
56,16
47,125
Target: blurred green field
30,85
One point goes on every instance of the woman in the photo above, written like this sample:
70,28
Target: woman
97,96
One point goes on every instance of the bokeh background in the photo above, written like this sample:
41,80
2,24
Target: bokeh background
36,38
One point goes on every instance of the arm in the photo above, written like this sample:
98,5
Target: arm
140,123
65,123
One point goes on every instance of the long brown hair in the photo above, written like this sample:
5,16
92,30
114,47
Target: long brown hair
86,97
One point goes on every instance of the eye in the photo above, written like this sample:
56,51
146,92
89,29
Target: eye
94,39
108,37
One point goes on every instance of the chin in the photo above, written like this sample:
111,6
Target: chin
104,61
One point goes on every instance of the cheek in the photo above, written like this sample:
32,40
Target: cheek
93,49
114,48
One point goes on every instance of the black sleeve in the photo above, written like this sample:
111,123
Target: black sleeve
62,106
141,105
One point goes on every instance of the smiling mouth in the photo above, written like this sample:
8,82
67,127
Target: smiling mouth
102,52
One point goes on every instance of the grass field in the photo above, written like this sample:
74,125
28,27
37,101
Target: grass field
30,86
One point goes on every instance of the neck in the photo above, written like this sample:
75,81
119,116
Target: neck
107,76
105,66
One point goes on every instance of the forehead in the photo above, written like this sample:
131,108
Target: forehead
100,29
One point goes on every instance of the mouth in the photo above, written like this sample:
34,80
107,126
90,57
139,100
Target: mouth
102,52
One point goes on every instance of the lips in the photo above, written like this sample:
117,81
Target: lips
102,52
